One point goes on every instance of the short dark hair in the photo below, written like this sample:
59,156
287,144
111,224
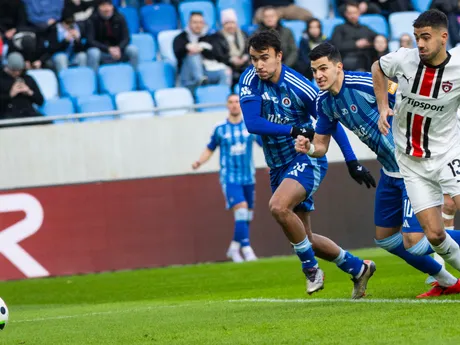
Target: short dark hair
431,18
195,13
325,49
265,39
352,3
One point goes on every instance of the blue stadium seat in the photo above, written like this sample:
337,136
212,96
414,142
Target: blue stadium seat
174,97
155,75
329,25
47,82
116,78
421,5
375,22
157,18
401,23
319,8
77,82
249,29
146,45
116,3
58,106
297,27
135,100
132,18
95,104
205,7
165,44
243,9
212,94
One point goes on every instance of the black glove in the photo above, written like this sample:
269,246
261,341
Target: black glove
360,174
305,132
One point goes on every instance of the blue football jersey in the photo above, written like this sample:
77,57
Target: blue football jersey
355,107
291,101
235,142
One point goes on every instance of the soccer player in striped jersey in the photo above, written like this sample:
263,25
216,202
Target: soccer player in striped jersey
237,175
348,98
277,104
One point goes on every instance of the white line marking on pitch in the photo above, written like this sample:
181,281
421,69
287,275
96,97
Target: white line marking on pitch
344,300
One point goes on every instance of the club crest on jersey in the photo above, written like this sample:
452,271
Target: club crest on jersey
447,86
354,108
286,102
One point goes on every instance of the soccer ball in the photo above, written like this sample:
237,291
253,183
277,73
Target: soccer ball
3,314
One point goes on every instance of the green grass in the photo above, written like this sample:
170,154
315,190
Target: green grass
211,304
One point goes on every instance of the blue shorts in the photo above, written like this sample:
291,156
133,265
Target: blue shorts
236,193
309,172
392,205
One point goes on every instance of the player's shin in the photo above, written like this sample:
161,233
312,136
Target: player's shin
305,253
349,263
449,250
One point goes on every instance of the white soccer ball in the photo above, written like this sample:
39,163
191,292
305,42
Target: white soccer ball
3,314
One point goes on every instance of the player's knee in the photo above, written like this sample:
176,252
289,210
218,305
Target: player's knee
278,209
412,238
435,235
449,207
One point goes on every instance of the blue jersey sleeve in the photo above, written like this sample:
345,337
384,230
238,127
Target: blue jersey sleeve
324,125
251,105
215,140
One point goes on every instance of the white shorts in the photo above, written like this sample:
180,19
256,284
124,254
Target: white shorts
427,180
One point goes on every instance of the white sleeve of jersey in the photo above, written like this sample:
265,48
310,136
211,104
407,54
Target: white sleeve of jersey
391,63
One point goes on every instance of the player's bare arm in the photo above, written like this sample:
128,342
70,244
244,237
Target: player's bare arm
318,148
205,156
380,82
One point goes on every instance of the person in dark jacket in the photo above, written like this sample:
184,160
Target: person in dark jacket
13,18
380,47
271,21
286,9
354,41
34,47
18,91
195,55
311,38
108,37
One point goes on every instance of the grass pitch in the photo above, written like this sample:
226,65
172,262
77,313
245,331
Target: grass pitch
252,303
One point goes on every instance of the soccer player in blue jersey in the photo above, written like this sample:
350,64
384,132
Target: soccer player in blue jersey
348,98
278,104
237,175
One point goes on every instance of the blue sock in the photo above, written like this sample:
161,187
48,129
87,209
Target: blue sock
305,253
455,234
421,248
394,244
349,263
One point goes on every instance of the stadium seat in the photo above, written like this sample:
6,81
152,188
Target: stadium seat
165,44
155,75
47,82
212,94
135,100
205,7
132,18
174,97
401,23
421,5
116,78
329,25
146,45
77,82
58,106
95,104
157,18
116,3
243,9
375,22
319,8
297,27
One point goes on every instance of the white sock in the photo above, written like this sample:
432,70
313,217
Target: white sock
234,246
444,278
439,259
449,251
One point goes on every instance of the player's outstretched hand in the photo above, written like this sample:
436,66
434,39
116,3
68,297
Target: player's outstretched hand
360,174
302,144
384,125
304,132
196,165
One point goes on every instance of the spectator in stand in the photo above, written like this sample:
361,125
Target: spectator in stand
380,47
19,92
108,37
230,45
41,14
406,41
12,18
377,6
451,9
312,37
196,58
67,43
33,47
364,6
354,41
80,8
271,21
286,9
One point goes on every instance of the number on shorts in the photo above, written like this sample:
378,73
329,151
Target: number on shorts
455,167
